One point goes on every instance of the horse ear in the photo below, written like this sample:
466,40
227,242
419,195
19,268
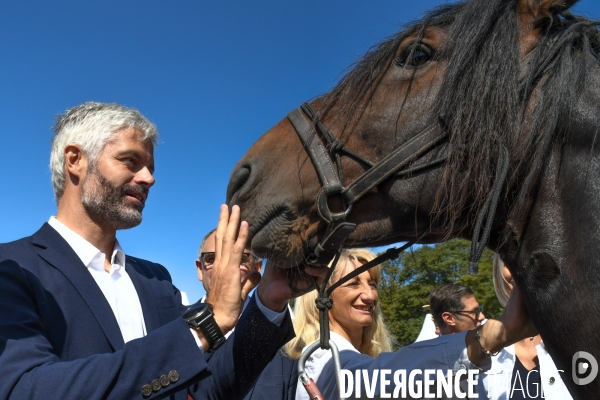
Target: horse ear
544,8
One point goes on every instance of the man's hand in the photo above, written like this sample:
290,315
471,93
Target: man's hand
227,293
513,325
275,291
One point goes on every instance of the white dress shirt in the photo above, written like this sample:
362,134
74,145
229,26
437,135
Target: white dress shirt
116,285
496,383
118,289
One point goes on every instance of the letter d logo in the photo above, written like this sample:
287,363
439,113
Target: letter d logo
580,369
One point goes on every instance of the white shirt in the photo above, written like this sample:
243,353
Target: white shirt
118,289
116,285
496,383
317,360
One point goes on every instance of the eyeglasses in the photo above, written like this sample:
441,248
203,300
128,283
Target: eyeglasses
476,312
208,258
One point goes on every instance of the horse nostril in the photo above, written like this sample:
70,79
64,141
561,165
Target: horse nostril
237,181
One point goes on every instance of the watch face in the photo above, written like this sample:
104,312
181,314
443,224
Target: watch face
195,310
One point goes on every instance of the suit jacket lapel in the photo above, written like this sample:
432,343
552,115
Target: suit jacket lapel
56,251
145,293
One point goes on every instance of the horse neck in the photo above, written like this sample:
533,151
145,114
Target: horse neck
555,254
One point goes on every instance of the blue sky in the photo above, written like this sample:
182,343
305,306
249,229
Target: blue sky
213,76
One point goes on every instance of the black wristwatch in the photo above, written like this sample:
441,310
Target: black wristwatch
200,316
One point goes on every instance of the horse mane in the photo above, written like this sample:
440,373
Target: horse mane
492,108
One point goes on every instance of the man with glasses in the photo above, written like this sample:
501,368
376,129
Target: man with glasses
279,378
206,258
455,309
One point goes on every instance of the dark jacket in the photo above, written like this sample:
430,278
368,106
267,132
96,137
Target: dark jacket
59,338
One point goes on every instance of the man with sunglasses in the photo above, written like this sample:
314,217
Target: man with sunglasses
279,378
455,309
206,258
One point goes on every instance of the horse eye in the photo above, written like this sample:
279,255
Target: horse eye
414,56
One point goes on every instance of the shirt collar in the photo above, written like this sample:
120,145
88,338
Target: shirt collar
86,251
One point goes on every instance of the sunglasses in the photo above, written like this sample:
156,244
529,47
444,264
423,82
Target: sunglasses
476,312
208,258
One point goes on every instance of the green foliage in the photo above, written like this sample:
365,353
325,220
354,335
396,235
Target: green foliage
407,281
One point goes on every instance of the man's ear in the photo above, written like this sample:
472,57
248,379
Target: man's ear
76,163
449,318
199,269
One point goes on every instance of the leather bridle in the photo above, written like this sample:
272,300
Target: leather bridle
325,153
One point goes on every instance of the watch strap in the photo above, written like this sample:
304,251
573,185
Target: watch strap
200,316
212,332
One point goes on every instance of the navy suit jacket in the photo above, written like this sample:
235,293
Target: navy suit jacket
59,338
278,380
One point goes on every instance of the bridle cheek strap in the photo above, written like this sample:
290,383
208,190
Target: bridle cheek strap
338,229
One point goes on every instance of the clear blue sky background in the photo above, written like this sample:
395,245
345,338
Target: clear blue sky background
212,75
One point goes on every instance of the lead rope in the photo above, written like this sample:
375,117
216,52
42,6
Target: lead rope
324,304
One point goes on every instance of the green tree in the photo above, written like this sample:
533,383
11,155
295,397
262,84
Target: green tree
407,281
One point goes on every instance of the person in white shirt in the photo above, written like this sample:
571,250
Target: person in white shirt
523,370
111,326
356,322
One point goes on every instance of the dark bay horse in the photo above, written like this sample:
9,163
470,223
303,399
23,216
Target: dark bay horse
521,75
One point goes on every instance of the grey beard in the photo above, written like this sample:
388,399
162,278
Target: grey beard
104,202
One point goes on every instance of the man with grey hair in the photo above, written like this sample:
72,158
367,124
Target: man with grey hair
81,319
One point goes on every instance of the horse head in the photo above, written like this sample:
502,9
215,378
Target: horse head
520,75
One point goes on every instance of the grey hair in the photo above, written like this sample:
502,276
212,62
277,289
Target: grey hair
203,242
91,126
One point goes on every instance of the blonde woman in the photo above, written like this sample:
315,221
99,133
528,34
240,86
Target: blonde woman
356,323
524,369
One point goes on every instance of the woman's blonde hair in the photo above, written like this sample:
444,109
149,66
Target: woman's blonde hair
500,284
376,338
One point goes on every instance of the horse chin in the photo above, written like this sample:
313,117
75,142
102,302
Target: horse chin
279,239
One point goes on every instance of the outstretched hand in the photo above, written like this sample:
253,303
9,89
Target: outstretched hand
227,293
513,325
515,318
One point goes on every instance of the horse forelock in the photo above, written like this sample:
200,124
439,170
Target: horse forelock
490,96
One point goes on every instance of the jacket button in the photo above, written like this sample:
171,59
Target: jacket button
156,386
164,380
146,390
173,376
552,380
